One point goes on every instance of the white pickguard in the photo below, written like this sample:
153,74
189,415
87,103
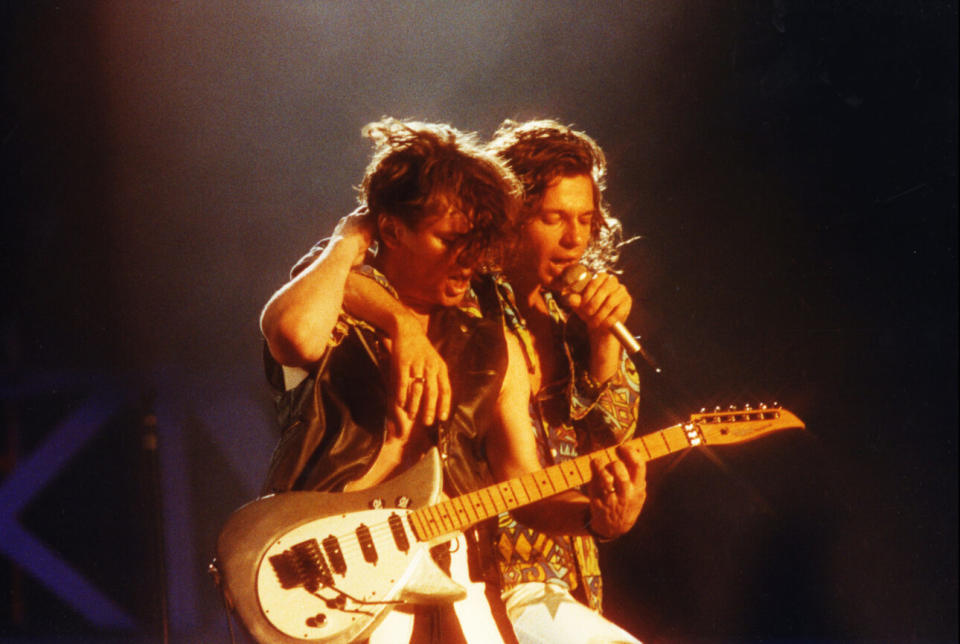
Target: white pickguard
362,592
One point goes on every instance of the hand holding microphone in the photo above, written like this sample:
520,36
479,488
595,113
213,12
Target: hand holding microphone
602,301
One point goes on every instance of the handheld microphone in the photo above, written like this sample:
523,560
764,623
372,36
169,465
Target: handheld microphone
574,279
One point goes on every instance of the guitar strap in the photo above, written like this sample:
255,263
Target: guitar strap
482,565
215,574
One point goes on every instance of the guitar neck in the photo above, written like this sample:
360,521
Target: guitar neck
716,427
466,510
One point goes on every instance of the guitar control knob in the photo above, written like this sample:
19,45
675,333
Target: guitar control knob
376,503
317,620
403,501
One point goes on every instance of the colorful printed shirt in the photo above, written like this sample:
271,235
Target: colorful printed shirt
569,417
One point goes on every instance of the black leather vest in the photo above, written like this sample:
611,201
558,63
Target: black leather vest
333,422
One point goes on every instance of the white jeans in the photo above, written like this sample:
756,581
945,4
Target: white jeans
544,613
474,613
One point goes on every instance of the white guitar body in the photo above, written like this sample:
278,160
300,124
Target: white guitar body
290,584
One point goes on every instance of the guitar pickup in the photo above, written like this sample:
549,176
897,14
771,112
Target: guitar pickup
399,534
302,565
367,547
331,545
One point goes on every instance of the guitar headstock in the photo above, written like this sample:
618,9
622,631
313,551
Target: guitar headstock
736,425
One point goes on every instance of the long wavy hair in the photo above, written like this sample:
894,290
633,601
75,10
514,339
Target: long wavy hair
421,169
541,151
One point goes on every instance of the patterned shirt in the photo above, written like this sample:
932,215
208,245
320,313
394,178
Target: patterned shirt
571,416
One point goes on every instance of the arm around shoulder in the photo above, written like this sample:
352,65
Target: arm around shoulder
298,319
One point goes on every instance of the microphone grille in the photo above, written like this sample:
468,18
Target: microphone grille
574,278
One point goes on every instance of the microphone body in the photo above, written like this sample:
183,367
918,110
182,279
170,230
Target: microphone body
626,339
574,279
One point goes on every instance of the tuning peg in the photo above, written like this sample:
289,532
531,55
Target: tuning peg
747,407
703,410
763,405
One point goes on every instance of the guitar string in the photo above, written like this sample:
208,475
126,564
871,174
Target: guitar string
350,542
350,545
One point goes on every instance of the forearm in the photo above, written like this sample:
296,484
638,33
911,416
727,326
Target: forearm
604,357
299,317
567,513
369,301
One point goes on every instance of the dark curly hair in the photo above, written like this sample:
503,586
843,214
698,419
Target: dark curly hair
419,169
541,151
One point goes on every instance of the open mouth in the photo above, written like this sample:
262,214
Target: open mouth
457,285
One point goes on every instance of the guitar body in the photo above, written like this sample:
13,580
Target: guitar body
326,568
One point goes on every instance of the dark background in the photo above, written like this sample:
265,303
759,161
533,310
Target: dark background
790,165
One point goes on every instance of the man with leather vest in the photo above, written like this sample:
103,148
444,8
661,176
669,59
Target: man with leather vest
433,206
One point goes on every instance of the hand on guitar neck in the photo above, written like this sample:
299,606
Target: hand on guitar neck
615,498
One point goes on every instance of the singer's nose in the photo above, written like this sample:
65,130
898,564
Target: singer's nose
573,235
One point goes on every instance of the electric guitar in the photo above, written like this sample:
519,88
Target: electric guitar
326,568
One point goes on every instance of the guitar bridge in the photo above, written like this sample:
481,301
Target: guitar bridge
302,565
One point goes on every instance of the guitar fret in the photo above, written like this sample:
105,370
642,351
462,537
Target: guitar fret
457,516
557,480
675,438
476,504
583,468
489,508
463,511
433,520
445,519
643,441
543,483
600,455
507,493
570,472
529,484
502,505
563,475
519,492
416,523
655,448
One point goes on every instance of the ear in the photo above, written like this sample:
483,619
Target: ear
391,230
